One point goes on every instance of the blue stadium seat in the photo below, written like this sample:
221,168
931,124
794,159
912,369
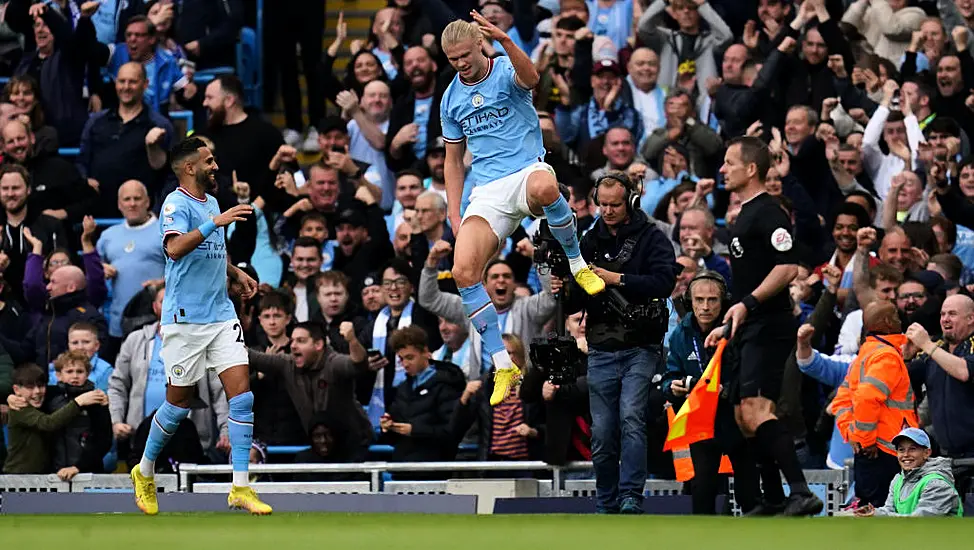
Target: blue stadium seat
286,449
69,151
207,75
248,62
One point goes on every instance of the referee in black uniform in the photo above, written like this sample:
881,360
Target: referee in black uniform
764,262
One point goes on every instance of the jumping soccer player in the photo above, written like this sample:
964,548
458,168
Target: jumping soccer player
488,109
200,330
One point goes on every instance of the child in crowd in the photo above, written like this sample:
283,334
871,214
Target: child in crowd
30,427
83,337
274,313
314,225
82,444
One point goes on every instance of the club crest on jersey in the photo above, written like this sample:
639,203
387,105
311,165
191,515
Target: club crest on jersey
130,246
477,100
178,371
781,240
169,209
736,249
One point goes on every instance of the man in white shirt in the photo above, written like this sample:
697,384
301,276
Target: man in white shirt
648,98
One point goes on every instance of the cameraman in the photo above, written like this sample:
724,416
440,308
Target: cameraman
706,298
636,261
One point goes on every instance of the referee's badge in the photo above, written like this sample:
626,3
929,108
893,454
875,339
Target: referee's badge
477,100
736,249
781,240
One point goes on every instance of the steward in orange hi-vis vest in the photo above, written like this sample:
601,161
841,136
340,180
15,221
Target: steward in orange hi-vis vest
876,400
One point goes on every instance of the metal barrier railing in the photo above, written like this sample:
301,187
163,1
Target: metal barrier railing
82,483
375,469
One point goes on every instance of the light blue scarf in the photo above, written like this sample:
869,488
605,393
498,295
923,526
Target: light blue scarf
377,404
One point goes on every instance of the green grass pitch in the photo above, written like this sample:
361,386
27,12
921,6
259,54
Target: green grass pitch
429,532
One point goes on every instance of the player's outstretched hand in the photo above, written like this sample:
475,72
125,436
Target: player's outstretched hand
248,285
238,213
489,30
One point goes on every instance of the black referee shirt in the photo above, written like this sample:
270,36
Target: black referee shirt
760,240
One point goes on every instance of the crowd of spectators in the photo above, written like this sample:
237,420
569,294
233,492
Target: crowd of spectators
357,335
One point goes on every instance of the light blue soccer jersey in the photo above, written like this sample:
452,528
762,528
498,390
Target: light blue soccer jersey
196,284
497,119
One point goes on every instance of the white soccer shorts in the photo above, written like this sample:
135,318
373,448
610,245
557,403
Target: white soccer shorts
504,202
189,350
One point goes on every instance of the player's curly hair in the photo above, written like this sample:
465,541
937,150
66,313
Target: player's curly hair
458,31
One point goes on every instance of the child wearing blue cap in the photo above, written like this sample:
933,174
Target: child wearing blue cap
924,487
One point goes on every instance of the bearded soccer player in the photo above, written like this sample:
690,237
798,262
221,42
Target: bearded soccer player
200,329
488,109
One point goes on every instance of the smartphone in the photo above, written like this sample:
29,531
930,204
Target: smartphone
374,353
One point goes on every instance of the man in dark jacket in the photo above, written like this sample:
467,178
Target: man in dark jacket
363,242
59,63
17,216
808,81
318,379
707,296
68,305
415,120
945,369
745,95
636,261
57,188
206,29
419,418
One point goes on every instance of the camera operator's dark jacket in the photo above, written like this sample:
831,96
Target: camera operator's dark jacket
84,440
650,273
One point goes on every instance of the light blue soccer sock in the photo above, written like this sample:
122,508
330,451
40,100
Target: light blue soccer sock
562,225
164,424
480,310
240,423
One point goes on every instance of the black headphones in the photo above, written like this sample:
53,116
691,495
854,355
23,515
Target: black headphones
708,275
631,197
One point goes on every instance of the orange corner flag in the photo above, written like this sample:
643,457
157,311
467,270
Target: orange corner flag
695,420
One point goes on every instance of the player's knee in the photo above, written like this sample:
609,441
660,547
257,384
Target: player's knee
544,189
242,404
464,276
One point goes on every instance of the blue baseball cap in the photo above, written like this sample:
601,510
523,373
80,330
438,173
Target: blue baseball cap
915,435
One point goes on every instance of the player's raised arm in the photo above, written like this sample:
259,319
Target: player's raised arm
525,72
178,245
454,174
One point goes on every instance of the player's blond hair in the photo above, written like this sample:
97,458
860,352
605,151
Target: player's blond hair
458,31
